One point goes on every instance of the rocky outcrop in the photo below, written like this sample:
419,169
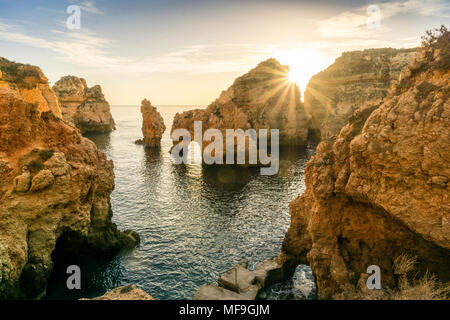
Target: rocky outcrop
130,292
355,78
240,283
381,188
55,189
152,125
85,107
263,98
30,83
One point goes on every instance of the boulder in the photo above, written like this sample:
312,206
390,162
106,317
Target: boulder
238,279
22,182
241,283
268,272
42,180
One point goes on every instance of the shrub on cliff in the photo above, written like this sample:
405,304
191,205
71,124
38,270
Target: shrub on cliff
437,39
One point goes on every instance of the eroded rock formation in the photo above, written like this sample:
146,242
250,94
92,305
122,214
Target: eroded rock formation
30,83
381,188
355,78
263,98
152,125
85,107
55,186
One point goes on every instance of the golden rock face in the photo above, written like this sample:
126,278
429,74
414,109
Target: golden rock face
380,188
130,292
31,84
263,98
153,125
354,79
53,182
85,107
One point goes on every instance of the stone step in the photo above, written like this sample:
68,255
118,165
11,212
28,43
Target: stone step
213,292
239,283
268,272
237,279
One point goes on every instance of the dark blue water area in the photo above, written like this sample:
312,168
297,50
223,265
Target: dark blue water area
195,221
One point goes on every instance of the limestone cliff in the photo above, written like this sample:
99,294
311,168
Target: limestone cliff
55,187
85,107
355,78
381,188
30,83
263,98
152,125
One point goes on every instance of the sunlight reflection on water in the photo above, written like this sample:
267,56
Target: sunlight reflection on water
195,221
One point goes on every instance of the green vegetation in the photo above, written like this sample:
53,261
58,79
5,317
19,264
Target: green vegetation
46,154
35,166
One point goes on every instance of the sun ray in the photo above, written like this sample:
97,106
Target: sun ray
278,85
303,64
276,110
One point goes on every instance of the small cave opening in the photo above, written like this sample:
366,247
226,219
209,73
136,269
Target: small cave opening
97,273
299,284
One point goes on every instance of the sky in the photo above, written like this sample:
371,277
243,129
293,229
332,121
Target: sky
185,52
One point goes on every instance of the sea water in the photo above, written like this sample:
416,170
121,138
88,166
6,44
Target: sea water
195,221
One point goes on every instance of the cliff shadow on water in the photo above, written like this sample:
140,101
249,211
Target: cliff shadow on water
98,271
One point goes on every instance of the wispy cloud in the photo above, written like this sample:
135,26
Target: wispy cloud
89,50
200,59
88,6
354,23
82,48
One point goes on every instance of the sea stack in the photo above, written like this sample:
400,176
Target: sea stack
85,107
380,189
263,98
55,187
152,125
354,79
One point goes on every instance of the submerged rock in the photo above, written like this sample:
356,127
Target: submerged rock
55,186
85,107
263,98
354,79
152,125
370,194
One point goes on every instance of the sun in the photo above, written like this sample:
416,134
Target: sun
303,64
295,75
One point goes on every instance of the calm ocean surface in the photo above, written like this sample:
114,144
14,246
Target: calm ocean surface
195,222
